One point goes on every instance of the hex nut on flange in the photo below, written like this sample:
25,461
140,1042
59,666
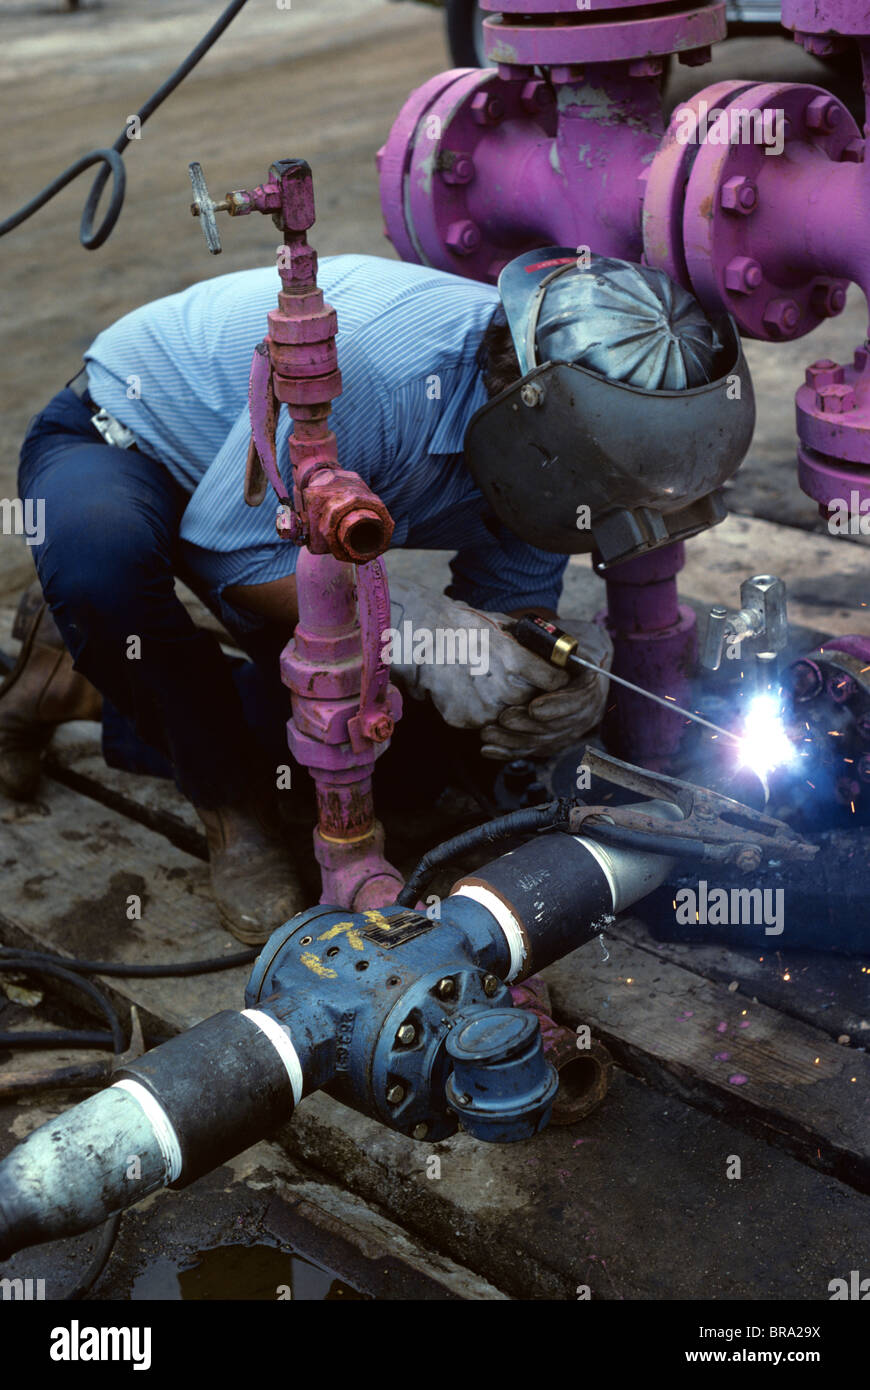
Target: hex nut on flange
739,194
537,96
743,275
445,989
532,393
487,108
823,113
835,400
396,1094
782,315
825,372
463,237
406,1035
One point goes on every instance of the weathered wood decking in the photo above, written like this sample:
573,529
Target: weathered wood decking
634,1202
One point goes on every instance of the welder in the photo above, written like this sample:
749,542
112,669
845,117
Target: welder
139,464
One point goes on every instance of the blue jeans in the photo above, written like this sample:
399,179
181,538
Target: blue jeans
174,704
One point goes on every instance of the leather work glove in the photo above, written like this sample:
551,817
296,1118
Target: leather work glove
493,673
548,723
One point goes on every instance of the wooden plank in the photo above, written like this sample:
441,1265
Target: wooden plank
69,867
830,992
634,1203
719,1050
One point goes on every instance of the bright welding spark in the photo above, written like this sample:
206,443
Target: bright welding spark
764,743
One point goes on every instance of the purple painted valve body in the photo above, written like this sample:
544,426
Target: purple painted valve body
344,707
755,198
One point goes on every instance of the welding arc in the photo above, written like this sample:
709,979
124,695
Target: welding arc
639,690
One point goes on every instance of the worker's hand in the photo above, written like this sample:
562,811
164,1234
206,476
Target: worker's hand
492,673
548,723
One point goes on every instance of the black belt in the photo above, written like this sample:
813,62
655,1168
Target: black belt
110,430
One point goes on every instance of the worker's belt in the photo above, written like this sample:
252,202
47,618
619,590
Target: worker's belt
110,429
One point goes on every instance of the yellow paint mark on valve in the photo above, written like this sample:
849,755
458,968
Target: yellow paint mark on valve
344,929
315,964
377,918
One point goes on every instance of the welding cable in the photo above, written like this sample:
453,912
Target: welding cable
116,968
57,1037
648,841
526,821
21,962
110,159
109,1235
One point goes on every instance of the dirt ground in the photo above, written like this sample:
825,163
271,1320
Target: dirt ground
322,80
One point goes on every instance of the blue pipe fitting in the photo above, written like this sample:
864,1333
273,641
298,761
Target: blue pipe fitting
502,1087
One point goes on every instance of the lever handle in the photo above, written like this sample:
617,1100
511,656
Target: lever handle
204,207
717,626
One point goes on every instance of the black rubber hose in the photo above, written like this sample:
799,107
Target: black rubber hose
56,1037
55,971
647,841
101,1259
526,821
209,966
110,159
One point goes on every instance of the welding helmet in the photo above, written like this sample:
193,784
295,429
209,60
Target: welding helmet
632,409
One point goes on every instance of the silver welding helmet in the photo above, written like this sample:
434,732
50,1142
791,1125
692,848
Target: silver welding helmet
632,410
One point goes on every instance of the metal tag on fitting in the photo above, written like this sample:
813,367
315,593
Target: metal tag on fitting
393,931
112,430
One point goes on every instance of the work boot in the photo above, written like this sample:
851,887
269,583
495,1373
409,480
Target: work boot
40,692
254,881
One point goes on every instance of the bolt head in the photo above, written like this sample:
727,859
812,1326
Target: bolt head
396,1094
490,985
532,393
463,237
806,681
537,96
487,108
748,858
739,194
406,1034
460,169
835,400
841,688
445,988
823,113
853,153
781,315
419,1131
828,298
743,275
823,373
695,57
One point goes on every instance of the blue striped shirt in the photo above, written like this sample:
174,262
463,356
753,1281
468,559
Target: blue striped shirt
175,372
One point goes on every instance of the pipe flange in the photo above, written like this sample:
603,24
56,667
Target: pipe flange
664,183
833,418
589,38
732,212
393,159
440,172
